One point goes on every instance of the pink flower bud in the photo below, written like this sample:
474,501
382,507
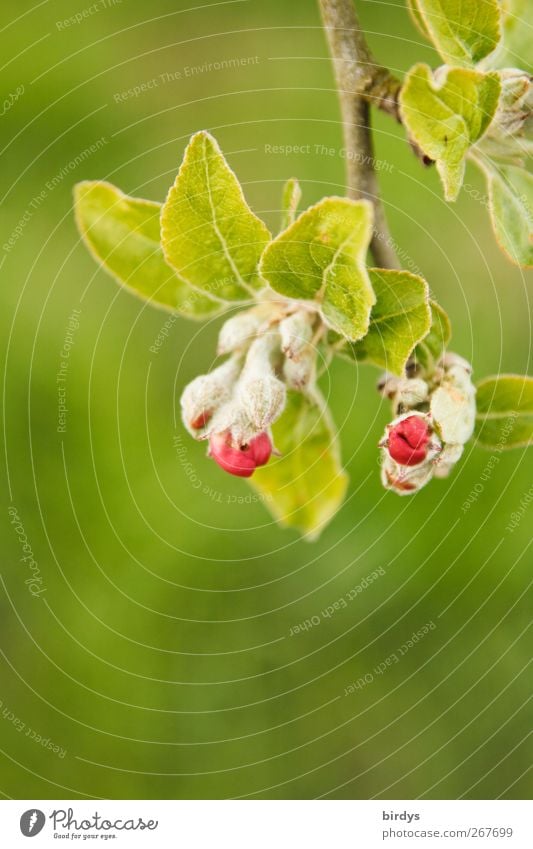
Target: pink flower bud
261,449
408,440
243,460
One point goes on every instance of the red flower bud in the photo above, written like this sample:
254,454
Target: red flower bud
240,461
408,441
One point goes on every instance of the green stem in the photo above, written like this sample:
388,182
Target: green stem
360,81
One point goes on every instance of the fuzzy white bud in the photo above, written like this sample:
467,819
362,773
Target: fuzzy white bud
453,403
450,360
296,333
262,398
259,392
447,459
387,385
232,418
205,394
454,412
264,354
461,379
405,392
410,392
238,332
301,372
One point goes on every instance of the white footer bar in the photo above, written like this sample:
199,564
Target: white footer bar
267,824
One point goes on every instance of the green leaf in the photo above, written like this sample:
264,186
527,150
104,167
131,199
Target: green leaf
290,199
305,486
416,17
446,117
433,345
511,211
505,411
321,257
463,31
122,233
400,319
514,50
209,233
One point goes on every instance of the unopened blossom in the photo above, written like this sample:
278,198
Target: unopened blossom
238,331
438,417
451,360
409,439
238,429
300,373
387,385
296,332
262,397
411,392
405,392
242,460
206,394
231,417
447,459
453,405
260,393
409,447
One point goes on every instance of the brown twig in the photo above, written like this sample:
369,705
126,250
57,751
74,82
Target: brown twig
361,81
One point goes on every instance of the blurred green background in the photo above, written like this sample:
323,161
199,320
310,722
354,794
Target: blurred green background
159,657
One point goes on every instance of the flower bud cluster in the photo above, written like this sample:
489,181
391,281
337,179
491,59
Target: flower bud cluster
235,405
299,368
434,418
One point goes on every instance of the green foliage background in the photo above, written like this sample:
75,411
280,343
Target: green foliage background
160,655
